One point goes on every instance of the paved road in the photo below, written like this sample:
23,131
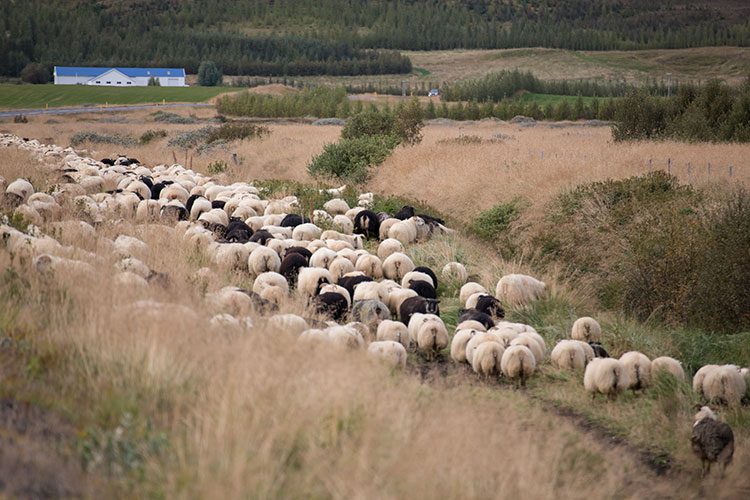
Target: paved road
99,109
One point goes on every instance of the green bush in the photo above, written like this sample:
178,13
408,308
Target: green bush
35,73
368,123
209,75
654,249
150,135
490,224
237,131
217,167
351,160
408,122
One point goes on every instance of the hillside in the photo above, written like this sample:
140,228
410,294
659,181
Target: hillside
337,37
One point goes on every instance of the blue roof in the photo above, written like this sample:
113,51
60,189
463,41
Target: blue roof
131,72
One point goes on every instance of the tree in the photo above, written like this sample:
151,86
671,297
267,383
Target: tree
35,73
409,122
209,75
153,82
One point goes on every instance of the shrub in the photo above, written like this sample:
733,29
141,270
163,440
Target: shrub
35,73
167,117
368,123
350,160
209,75
150,135
655,249
191,138
20,119
491,223
118,140
154,82
216,167
237,131
409,121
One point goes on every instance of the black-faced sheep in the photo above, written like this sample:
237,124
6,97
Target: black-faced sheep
417,304
423,289
367,223
474,315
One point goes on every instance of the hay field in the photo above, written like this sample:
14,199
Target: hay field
195,411
459,168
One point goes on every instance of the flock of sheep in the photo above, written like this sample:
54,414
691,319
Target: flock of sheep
382,301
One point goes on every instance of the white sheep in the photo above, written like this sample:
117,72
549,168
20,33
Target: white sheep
21,188
519,289
127,246
313,337
389,351
269,279
568,355
432,337
587,350
343,223
504,335
474,341
274,294
291,323
336,206
725,385
586,329
638,369
134,266
532,344
388,247
308,279
322,258
385,227
417,276
468,290
668,365
371,266
458,343
455,272
369,290
340,266
396,266
518,363
345,337
605,376
306,232
231,256
487,357
404,231
700,376
262,260
393,330
471,324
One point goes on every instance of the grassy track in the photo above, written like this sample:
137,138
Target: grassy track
39,96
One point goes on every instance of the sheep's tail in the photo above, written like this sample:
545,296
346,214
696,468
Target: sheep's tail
571,355
615,378
637,376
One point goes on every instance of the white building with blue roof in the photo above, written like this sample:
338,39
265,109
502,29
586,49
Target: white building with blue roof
119,77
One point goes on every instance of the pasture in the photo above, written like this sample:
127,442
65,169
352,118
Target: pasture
156,397
40,96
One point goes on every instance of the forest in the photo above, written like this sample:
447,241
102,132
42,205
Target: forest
343,37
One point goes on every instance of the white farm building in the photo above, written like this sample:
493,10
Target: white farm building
119,77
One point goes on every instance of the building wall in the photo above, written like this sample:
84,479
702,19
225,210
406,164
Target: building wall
71,80
113,78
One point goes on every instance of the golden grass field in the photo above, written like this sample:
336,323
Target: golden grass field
249,417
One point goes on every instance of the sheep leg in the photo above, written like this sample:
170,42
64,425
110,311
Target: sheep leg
706,468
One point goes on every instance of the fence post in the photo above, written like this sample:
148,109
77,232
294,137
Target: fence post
730,170
669,165
709,169
690,170
650,164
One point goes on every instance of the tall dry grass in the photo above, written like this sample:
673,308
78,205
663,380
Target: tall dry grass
252,413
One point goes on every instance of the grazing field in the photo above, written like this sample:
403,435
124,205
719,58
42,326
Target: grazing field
39,96
639,66
148,393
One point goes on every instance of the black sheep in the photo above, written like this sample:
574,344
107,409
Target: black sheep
423,289
331,304
350,282
290,266
414,305
218,204
238,232
599,351
190,201
107,161
300,250
261,236
157,188
293,220
490,305
406,212
429,272
367,223
474,315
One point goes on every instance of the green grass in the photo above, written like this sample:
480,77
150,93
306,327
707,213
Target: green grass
39,96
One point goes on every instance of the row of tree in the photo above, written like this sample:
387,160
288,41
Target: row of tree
306,37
